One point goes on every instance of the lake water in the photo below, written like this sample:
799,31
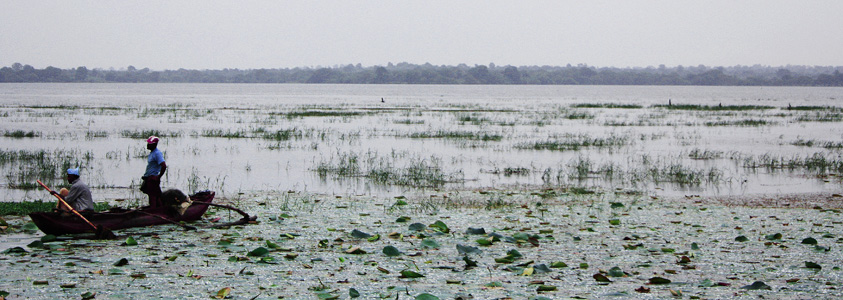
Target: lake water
217,136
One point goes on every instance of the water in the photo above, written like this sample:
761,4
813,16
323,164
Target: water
93,118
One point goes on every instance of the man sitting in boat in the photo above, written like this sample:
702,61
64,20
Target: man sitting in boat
79,195
155,168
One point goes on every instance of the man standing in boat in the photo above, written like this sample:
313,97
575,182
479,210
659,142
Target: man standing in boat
155,168
79,196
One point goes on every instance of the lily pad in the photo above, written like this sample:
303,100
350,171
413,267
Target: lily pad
121,262
417,227
773,237
410,274
353,293
809,241
130,241
462,249
468,262
472,230
545,288
430,243
616,272
359,234
259,251
391,251
542,268
600,278
741,239
426,296
659,280
440,226
812,265
758,285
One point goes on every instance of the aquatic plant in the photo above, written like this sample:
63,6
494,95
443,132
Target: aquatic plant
21,134
606,105
712,107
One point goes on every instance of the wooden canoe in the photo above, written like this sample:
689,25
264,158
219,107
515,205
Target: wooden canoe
57,224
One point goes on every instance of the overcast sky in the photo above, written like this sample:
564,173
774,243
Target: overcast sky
241,34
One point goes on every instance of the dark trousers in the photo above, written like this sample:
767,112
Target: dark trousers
151,186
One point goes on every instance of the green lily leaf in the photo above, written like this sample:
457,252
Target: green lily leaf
410,274
430,243
259,251
391,251
130,241
426,296
359,234
440,226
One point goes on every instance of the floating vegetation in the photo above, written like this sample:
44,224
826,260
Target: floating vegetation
821,144
409,121
322,113
418,172
228,134
747,122
21,134
96,134
821,117
468,135
283,135
808,108
606,105
143,134
578,116
26,207
704,154
713,107
28,166
575,142
817,163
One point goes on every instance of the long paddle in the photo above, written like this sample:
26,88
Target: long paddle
101,231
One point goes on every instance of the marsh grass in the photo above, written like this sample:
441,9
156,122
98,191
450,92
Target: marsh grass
811,108
817,163
821,116
228,134
742,123
27,207
283,135
416,172
643,170
575,142
25,166
21,134
606,105
467,135
143,134
704,154
821,144
408,122
698,107
321,113
96,134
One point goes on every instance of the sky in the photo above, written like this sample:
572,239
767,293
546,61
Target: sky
248,34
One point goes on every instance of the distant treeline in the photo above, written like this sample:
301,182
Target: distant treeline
405,73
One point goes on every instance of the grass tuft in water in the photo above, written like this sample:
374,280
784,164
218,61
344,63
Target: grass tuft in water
713,107
21,134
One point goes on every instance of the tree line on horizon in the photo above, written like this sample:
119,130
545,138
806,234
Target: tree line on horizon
406,73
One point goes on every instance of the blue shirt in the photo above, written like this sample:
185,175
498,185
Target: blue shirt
153,163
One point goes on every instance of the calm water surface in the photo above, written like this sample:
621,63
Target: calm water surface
100,119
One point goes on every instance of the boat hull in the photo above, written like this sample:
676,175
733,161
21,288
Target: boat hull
58,224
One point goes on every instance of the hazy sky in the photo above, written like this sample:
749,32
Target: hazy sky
247,34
